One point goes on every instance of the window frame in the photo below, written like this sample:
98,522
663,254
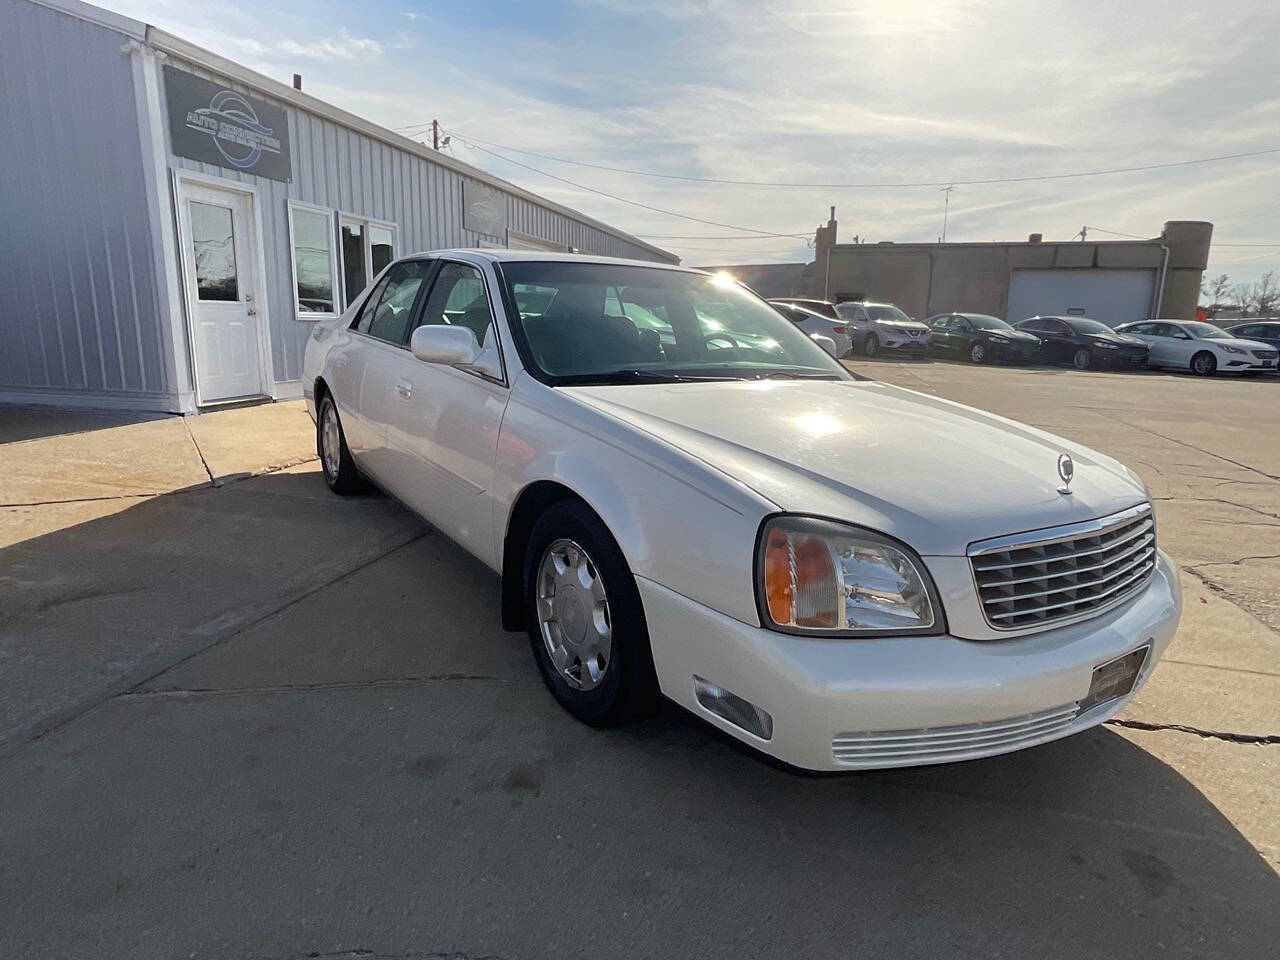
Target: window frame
439,263
335,278
345,217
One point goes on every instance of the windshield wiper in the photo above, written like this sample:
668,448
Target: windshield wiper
796,375
634,376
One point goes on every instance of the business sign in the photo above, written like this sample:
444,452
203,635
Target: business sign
215,124
484,209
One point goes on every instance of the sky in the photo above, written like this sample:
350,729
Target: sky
872,93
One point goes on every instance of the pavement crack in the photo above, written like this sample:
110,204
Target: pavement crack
1236,563
195,693
195,443
1192,446
1224,736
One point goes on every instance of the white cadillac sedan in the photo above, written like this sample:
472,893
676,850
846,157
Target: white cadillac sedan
685,494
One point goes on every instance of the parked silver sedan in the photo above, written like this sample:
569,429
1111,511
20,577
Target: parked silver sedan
811,322
1200,347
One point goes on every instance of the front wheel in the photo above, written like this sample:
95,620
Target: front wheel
586,622
1081,359
1204,364
339,468
871,346
978,353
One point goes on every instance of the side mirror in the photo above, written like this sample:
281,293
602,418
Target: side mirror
441,343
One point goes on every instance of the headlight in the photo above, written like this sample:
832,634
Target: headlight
822,577
996,338
1107,346
1228,349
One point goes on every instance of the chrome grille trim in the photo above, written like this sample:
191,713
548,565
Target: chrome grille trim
1265,354
879,748
1118,554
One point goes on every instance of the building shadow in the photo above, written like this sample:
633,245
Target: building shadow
33,423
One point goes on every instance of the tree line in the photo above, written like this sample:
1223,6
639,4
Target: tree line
1258,299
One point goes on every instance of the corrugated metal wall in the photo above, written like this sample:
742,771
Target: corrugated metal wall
344,170
78,308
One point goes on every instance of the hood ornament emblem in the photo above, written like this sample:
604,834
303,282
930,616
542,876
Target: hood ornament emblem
1066,470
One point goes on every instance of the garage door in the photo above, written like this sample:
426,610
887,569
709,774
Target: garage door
1112,296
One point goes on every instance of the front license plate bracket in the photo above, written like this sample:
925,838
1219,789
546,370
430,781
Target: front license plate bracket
1115,678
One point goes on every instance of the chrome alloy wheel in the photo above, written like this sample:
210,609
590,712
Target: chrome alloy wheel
573,614
330,440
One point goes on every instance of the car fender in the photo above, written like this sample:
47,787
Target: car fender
650,495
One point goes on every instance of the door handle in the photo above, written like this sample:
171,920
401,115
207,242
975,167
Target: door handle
405,389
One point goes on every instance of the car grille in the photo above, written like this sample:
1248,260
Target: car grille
1265,354
883,748
1045,576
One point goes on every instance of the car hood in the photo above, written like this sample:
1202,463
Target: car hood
1013,336
1242,344
1119,339
902,324
936,474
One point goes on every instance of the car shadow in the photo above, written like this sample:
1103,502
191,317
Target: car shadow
281,769
18,422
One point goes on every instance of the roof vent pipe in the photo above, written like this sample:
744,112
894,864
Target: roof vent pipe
1035,238
297,81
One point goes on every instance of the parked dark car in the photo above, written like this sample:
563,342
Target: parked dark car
1084,343
1264,331
824,307
981,338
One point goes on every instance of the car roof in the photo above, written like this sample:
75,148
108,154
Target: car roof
527,256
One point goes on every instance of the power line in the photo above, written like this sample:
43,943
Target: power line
872,185
614,196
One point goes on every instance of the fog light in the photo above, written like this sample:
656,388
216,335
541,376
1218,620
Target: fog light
732,708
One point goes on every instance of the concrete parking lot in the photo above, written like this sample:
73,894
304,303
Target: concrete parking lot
240,717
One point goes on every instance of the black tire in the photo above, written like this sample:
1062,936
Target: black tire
628,686
340,472
1082,359
871,345
978,353
1204,364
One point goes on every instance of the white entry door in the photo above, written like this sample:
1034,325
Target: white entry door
223,292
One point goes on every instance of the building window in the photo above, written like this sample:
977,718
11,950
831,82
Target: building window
367,246
314,267
213,237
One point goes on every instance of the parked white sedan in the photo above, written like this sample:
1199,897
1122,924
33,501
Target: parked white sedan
839,572
1200,347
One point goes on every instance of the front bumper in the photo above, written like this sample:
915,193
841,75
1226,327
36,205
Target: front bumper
903,342
1121,358
912,700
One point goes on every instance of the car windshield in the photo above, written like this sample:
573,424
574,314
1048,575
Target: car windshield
619,323
983,322
886,311
1206,331
1085,325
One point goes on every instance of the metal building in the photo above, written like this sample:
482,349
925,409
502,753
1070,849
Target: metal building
178,221
1114,281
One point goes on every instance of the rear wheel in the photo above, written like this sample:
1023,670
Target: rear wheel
586,622
1204,363
339,468
871,346
978,353
1082,359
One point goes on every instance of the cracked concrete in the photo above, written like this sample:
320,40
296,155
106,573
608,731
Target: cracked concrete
273,723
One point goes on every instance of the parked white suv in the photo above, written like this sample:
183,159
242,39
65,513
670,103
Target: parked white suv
882,326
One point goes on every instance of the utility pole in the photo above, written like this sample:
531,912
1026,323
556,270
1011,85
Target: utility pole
1084,234
946,206
435,134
